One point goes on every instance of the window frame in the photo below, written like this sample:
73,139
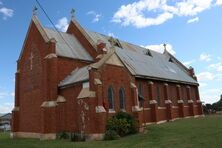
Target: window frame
122,101
110,96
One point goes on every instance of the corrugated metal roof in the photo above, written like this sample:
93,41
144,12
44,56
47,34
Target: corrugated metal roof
78,75
70,48
97,36
139,64
157,66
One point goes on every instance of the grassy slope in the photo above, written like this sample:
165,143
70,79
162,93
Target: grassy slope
200,132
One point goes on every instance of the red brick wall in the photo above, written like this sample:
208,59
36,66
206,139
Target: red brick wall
67,65
73,29
117,77
162,115
31,93
70,115
38,84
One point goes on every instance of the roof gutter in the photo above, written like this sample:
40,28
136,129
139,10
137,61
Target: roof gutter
71,84
165,80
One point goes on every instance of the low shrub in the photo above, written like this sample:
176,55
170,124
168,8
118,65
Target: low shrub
111,135
77,137
122,123
63,135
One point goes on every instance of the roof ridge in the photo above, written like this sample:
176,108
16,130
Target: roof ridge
123,41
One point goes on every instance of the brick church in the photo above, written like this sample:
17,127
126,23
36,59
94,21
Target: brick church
74,81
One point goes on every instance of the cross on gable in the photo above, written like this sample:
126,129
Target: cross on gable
31,61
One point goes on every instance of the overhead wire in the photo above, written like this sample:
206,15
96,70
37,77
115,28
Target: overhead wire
47,16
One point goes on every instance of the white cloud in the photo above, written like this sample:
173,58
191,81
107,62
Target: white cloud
95,15
133,14
205,57
6,107
139,13
62,24
217,67
160,48
12,94
3,94
205,76
218,77
219,2
210,95
188,63
193,20
111,34
6,12
202,84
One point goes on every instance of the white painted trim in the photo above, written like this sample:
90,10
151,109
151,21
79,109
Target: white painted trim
174,119
197,116
150,82
100,109
168,101
48,136
60,99
146,108
50,56
161,107
97,82
160,122
111,111
180,101
153,102
190,101
48,104
188,117
136,108
175,107
186,106
15,109
132,85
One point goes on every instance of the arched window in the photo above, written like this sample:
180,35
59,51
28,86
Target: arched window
111,98
141,95
122,99
140,89
158,95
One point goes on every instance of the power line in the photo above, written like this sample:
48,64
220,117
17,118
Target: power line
54,26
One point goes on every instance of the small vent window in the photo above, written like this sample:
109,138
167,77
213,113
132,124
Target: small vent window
147,52
171,60
115,42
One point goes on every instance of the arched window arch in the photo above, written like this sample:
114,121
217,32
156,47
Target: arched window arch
122,101
111,98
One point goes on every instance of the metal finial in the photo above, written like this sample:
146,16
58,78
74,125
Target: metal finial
165,48
73,11
34,11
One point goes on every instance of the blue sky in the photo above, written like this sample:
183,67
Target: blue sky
191,28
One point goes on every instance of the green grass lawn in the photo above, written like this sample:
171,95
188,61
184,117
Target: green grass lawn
199,132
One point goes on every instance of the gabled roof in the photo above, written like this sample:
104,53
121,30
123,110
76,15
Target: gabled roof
155,66
77,75
162,66
68,45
